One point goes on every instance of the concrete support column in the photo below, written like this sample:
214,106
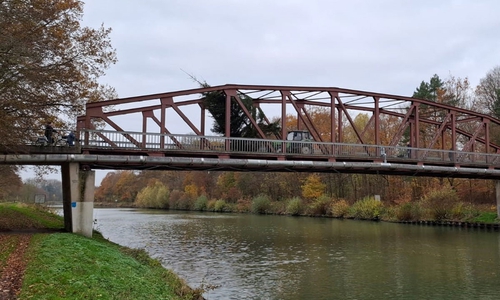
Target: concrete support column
497,188
66,194
78,202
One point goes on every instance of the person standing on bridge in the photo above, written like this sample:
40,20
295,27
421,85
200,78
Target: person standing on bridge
71,138
451,154
49,130
408,150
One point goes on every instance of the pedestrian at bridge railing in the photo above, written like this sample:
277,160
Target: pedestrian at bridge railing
383,154
451,155
70,138
49,133
55,137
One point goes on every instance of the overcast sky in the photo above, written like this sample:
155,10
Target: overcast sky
386,46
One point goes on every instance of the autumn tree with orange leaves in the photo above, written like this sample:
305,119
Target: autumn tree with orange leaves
49,67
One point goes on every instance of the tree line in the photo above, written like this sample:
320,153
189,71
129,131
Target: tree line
180,189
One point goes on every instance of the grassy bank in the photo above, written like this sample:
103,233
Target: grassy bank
25,217
68,266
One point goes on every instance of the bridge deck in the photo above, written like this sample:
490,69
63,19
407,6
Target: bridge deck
140,151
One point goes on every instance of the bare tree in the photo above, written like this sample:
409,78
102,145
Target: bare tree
488,93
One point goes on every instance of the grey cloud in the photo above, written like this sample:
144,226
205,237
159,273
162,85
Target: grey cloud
388,46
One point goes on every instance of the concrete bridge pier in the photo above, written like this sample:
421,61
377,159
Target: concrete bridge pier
497,188
78,198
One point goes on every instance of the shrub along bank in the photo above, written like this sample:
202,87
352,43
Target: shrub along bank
438,206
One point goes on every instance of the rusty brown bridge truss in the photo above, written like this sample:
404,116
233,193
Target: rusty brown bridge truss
171,131
168,131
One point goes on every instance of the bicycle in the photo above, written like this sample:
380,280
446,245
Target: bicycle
58,140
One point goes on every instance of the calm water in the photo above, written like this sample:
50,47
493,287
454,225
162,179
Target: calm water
277,257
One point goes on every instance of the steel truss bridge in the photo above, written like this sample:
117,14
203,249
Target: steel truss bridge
443,140
168,131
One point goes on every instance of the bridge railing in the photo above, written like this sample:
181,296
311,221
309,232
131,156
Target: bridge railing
114,140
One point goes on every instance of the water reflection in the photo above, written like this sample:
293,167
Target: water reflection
274,257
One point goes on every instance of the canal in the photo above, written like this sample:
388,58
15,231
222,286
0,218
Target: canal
248,256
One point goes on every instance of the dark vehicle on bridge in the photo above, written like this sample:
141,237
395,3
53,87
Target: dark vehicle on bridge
299,141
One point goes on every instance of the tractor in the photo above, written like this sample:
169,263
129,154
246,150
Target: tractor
299,141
